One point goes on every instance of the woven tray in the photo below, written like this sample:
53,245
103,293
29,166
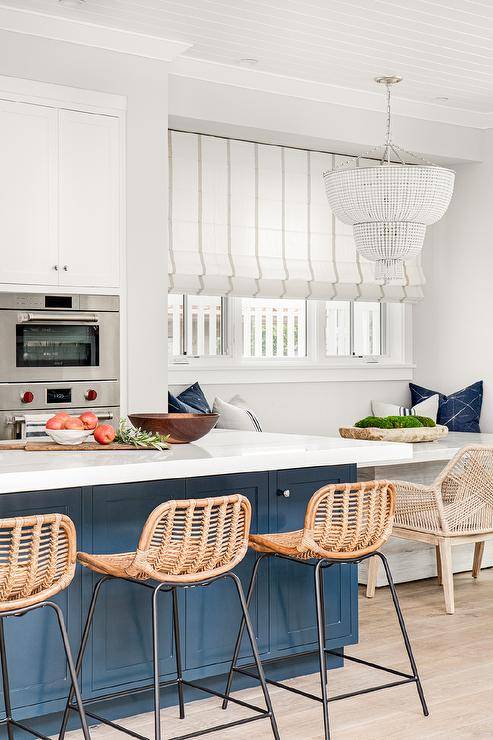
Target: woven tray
411,434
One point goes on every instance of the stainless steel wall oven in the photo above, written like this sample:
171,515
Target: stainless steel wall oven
57,352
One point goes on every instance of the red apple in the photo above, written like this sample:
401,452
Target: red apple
104,434
72,423
89,420
56,422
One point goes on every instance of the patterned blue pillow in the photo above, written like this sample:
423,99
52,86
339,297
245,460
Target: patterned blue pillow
460,411
189,401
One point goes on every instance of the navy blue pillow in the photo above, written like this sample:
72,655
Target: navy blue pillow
189,401
460,411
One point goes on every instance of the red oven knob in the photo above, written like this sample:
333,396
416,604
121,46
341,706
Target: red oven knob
91,395
27,397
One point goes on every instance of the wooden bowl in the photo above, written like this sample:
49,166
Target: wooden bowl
182,428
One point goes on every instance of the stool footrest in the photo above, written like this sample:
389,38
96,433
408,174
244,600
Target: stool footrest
218,728
25,728
261,713
307,695
371,665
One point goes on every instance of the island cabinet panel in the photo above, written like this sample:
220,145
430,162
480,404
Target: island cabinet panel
213,614
120,652
292,593
37,668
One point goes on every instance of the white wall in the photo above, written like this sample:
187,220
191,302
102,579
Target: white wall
453,325
144,82
309,408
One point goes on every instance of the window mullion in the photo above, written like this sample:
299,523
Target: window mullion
184,336
351,328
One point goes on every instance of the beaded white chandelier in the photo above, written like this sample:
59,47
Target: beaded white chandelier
389,206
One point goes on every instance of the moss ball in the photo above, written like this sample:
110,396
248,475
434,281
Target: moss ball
378,422
426,421
404,422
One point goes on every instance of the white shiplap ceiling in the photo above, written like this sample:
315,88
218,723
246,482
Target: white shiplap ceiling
443,48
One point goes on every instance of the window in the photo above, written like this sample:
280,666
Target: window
265,332
273,328
353,328
195,326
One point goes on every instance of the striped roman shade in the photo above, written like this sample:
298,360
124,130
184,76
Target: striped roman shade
251,219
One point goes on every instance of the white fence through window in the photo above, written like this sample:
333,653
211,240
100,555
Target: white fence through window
273,328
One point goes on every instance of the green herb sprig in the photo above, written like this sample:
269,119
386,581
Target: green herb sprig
129,435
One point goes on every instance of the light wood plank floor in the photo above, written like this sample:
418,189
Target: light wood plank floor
454,655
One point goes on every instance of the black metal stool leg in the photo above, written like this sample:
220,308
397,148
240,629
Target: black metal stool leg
5,683
71,667
155,662
319,596
179,668
80,654
405,636
236,652
256,656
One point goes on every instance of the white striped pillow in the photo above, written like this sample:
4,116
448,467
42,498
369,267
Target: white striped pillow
428,407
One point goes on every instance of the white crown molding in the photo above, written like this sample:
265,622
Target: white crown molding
46,93
89,34
253,79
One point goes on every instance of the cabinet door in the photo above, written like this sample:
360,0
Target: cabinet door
37,667
120,651
292,584
28,229
213,613
89,221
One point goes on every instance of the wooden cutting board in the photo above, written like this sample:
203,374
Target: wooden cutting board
84,447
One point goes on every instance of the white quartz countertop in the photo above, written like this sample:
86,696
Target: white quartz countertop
219,452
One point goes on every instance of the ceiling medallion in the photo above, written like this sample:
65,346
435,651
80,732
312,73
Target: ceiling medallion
391,204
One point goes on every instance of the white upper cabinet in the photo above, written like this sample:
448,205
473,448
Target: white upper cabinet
88,200
28,194
60,185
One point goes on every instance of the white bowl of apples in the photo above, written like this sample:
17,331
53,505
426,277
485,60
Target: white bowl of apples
65,429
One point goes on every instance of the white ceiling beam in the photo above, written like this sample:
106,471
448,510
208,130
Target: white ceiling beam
90,34
253,79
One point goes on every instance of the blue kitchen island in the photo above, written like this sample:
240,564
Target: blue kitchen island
109,495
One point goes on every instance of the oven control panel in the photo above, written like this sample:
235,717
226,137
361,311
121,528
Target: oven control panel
59,395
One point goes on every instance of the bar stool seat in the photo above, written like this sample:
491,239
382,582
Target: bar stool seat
183,544
117,565
344,523
37,561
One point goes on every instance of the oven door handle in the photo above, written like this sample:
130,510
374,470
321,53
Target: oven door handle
21,422
73,318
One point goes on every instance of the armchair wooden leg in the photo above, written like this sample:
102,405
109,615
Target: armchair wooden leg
478,557
439,566
445,547
371,583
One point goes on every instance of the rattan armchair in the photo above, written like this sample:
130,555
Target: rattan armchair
456,509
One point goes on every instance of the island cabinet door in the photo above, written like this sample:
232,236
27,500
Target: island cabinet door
37,668
213,613
119,655
292,585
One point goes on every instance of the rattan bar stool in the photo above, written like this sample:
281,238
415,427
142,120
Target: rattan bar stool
37,561
183,544
343,524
